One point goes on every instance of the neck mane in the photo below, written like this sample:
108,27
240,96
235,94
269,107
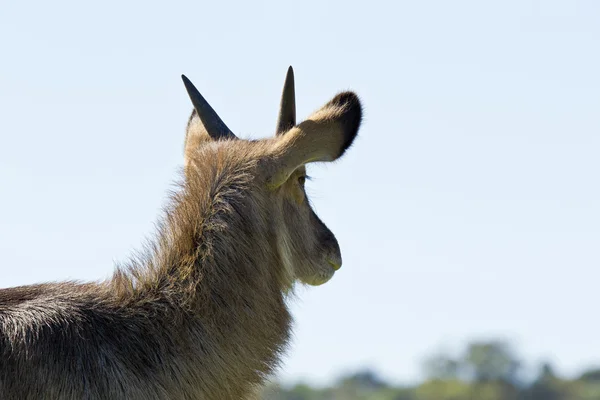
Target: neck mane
215,261
212,238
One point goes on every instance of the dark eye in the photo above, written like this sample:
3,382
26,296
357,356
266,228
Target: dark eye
302,180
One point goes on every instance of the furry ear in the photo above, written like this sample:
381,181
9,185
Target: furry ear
324,136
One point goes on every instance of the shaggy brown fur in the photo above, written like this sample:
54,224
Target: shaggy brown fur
202,315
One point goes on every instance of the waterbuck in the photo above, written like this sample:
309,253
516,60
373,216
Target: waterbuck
202,314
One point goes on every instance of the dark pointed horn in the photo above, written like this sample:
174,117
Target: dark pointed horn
287,108
214,126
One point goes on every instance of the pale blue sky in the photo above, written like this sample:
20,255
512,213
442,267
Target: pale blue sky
468,207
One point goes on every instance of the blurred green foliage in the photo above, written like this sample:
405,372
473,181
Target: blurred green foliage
488,370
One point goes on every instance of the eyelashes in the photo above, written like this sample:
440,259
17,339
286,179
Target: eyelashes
302,179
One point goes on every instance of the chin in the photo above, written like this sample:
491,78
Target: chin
318,278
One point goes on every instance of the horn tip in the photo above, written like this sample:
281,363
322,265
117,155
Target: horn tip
189,86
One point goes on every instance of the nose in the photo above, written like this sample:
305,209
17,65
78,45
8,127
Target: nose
329,243
333,248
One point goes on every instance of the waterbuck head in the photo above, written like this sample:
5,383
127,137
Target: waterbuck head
306,249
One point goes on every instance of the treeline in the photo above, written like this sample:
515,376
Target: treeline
484,371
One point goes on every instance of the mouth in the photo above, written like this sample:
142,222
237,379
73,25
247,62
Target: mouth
334,265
